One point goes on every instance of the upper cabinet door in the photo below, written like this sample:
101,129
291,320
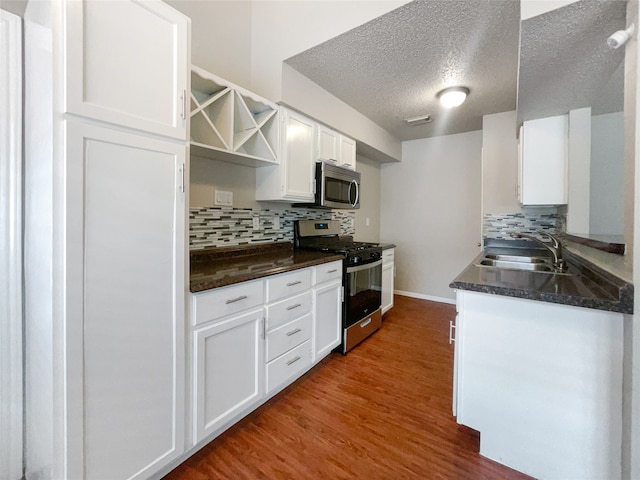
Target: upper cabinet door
328,141
347,152
297,157
127,63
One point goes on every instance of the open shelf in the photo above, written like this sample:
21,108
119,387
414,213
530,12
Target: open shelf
231,124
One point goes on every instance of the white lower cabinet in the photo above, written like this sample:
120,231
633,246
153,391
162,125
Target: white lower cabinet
388,273
252,339
542,383
327,311
229,371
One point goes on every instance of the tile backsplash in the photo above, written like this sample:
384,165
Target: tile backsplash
501,225
226,226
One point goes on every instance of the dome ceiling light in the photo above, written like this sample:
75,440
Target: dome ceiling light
452,96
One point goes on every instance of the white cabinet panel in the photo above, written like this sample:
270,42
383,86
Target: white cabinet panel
542,383
288,309
224,301
328,145
327,321
288,336
288,284
288,366
347,152
543,161
326,272
130,298
388,274
228,371
127,63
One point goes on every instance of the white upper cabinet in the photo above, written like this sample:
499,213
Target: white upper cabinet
231,124
543,161
293,179
110,73
332,147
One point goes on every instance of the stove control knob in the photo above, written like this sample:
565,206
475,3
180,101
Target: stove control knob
356,259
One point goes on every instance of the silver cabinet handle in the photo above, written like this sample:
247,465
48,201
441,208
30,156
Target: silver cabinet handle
452,327
237,299
333,271
290,362
293,283
364,324
293,332
294,306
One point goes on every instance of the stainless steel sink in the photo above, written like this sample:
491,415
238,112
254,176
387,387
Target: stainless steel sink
515,258
532,264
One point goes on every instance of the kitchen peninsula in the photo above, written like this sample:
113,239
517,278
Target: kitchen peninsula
538,366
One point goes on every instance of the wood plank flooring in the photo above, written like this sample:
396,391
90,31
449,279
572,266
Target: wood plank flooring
383,411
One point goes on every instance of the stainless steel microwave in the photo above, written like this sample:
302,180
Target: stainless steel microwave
336,187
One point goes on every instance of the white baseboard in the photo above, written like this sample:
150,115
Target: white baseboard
421,296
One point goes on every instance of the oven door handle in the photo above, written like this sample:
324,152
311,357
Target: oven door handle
366,266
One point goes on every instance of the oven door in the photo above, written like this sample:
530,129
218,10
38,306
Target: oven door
363,291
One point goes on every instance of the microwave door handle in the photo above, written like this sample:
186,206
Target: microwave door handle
353,182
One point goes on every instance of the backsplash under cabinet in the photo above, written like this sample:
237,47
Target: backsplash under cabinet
226,226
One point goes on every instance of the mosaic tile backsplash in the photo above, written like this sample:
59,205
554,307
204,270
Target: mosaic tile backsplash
226,226
501,225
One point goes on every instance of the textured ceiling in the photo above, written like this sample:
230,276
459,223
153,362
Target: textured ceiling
565,62
391,68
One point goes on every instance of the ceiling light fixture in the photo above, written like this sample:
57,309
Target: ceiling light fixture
452,96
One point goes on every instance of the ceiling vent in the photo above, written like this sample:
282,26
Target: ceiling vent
421,120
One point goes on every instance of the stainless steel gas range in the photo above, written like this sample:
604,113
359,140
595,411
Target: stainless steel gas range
362,277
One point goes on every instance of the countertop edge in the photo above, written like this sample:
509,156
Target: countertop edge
198,287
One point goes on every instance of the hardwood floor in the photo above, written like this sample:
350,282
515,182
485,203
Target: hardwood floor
383,411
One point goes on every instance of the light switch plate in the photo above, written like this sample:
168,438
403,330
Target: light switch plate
222,198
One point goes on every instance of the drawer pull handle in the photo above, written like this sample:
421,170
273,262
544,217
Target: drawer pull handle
293,283
291,307
293,332
365,323
237,299
292,361
333,271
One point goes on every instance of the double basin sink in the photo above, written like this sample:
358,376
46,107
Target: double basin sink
517,261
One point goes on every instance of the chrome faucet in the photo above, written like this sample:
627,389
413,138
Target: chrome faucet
554,246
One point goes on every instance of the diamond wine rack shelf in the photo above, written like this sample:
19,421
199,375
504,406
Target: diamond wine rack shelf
231,124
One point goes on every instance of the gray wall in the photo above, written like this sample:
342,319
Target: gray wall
430,208
369,211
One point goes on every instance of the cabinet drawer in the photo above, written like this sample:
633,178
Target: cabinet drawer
287,336
224,301
288,309
287,366
288,284
388,255
326,272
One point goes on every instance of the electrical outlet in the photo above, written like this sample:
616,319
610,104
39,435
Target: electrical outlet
276,222
256,222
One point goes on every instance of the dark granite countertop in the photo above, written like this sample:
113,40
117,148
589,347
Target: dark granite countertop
221,266
585,285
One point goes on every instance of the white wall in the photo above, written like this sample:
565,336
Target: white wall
368,215
430,208
607,174
220,37
499,163
579,197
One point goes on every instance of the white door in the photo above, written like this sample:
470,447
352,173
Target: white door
229,371
127,63
11,401
327,301
328,145
347,152
297,157
125,302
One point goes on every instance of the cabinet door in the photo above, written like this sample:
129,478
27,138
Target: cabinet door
544,161
127,63
347,152
228,372
125,224
328,145
327,321
297,158
387,287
